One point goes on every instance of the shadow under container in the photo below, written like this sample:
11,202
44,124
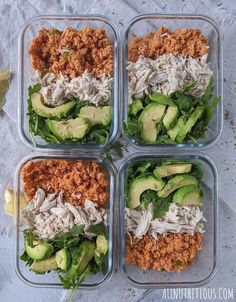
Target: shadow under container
146,23
51,280
25,70
204,269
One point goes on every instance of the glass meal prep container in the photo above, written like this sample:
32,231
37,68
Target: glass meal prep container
28,32
146,23
51,279
204,268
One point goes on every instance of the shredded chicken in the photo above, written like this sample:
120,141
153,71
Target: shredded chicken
167,74
86,87
49,215
186,219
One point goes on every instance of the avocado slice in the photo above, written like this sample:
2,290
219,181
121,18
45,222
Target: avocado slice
45,111
101,244
190,123
167,170
135,107
96,115
139,185
41,267
81,257
63,259
69,129
170,116
175,130
41,250
177,182
188,195
148,119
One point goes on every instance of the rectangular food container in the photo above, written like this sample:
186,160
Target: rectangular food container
203,270
142,25
28,32
51,279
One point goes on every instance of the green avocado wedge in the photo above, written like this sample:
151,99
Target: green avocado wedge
167,170
45,111
170,116
188,195
177,182
41,267
97,115
173,132
41,250
69,129
148,119
139,185
190,123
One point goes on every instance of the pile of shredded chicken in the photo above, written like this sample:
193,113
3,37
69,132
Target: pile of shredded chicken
77,180
171,253
184,42
71,52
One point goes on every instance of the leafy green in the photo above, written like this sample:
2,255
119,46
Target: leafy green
197,171
147,197
68,239
29,238
132,128
98,229
24,257
161,99
161,206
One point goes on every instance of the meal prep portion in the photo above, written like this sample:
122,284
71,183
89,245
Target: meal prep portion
170,87
70,100
163,215
65,220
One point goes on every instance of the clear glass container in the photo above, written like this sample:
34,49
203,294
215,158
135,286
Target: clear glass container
203,270
51,279
28,32
142,25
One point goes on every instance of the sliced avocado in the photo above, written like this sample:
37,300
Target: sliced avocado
139,185
190,123
135,107
148,119
97,115
101,244
81,257
161,99
175,130
176,183
63,259
42,110
69,129
188,195
170,116
167,170
41,250
41,267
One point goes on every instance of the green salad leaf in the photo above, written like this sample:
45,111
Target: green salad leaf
161,206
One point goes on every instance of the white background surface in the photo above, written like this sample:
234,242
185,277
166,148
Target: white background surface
13,14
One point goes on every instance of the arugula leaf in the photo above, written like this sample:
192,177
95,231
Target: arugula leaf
68,239
162,205
29,237
115,151
26,258
98,229
147,197
184,103
132,128
161,99
100,262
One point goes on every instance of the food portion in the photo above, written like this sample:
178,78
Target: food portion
5,77
170,90
73,73
164,219
65,219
